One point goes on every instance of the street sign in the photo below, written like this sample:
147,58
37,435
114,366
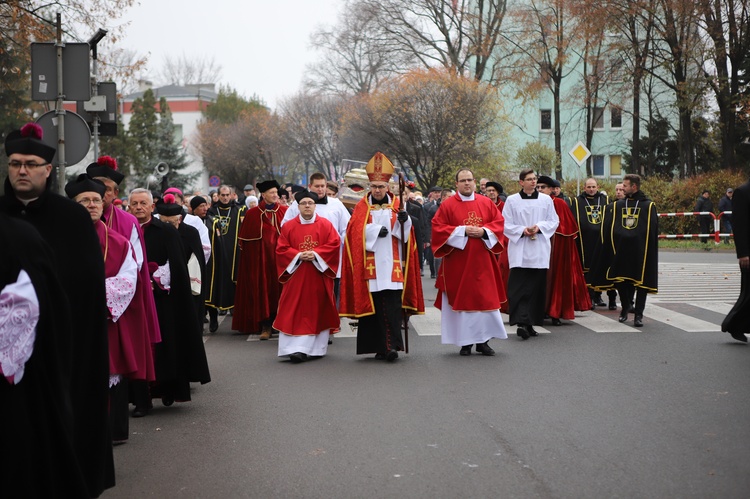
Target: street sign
77,135
214,181
76,71
108,117
579,153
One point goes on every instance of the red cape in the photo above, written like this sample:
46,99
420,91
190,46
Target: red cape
355,297
123,222
566,286
129,344
307,305
470,277
258,289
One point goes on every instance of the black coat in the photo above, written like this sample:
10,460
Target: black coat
36,420
180,357
66,227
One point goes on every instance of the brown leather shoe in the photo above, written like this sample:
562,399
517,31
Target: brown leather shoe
266,334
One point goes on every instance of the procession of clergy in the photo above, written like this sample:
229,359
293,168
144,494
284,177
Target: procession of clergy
103,308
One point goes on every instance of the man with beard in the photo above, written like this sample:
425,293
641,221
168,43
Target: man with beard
180,357
258,287
467,233
380,278
630,256
66,227
588,209
224,255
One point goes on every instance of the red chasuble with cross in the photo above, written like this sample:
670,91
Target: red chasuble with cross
470,277
307,305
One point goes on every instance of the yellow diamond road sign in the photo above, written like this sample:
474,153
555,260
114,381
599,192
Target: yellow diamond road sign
579,153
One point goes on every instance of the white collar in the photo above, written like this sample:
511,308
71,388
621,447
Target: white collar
466,198
306,222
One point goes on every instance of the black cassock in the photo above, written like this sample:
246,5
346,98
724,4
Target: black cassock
629,252
224,254
77,260
180,357
36,420
736,320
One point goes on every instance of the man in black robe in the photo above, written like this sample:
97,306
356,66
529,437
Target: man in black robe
736,322
630,252
36,420
66,227
588,208
180,357
227,217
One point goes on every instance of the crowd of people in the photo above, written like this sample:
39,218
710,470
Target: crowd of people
105,299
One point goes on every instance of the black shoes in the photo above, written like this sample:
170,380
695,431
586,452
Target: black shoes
739,337
556,322
638,320
598,301
613,305
623,314
483,348
391,356
139,412
522,332
379,356
531,330
213,324
167,400
298,357
465,350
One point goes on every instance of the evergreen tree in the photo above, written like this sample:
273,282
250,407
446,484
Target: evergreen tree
145,137
14,95
170,149
122,147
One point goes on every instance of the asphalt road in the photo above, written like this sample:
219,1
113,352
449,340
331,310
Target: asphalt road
661,412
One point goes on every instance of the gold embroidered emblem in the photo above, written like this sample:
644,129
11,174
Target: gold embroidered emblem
473,219
308,244
594,215
630,217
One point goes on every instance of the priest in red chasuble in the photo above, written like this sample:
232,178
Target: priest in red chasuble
307,259
258,288
467,233
566,284
380,279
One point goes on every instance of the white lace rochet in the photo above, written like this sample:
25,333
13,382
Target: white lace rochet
19,315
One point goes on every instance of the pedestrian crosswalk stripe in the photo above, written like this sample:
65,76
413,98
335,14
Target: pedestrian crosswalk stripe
685,322
714,306
602,324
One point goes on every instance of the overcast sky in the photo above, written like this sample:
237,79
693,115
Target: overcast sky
262,47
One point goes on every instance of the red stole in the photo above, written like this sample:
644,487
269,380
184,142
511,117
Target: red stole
355,299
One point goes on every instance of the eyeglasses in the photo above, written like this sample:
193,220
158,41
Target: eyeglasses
30,165
542,186
466,180
88,201
307,203
378,186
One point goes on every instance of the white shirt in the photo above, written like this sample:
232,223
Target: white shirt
520,213
383,248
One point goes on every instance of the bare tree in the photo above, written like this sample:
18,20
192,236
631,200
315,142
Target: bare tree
356,57
189,70
727,24
545,38
459,35
311,125
679,49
